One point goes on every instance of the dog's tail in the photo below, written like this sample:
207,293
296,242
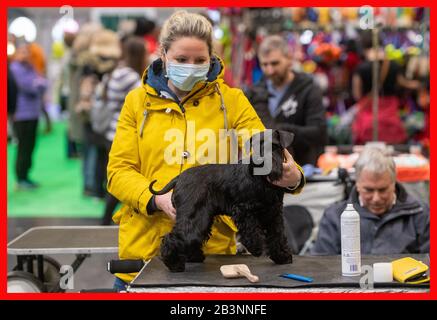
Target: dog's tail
164,190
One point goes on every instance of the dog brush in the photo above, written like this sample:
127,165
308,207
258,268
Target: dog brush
238,271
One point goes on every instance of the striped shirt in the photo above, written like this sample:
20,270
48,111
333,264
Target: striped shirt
119,83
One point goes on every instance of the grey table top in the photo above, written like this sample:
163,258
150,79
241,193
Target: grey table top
206,277
66,240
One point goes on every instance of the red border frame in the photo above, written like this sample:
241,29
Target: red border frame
192,296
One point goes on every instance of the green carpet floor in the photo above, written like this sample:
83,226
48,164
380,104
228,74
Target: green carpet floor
60,193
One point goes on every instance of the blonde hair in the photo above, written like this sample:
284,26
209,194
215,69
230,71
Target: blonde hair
183,24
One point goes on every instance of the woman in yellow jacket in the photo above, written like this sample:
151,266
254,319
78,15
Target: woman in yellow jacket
182,92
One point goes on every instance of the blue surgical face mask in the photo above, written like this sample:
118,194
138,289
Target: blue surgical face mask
184,75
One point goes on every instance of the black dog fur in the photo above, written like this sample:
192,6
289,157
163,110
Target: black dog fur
255,205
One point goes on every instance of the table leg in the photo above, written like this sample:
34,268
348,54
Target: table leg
40,261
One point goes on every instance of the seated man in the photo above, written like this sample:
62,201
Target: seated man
288,100
391,220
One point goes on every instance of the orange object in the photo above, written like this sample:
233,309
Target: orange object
329,161
409,167
412,168
37,58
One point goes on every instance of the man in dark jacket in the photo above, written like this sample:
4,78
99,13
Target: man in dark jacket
289,101
391,220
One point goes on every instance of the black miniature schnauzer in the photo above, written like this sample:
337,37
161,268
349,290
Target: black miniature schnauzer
253,202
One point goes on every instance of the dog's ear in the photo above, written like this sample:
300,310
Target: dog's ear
284,138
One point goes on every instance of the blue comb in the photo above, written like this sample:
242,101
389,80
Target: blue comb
296,277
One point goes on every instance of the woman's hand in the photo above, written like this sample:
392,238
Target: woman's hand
291,175
163,202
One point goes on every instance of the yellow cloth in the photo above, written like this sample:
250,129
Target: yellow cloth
410,270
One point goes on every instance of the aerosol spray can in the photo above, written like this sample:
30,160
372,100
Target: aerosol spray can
350,242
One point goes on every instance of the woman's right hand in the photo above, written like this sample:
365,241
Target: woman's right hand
163,202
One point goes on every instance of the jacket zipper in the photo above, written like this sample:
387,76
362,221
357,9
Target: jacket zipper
185,119
181,105
145,112
185,141
143,123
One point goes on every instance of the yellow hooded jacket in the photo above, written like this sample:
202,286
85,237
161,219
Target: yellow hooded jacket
140,144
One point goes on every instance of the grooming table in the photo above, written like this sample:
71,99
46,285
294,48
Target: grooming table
31,246
206,276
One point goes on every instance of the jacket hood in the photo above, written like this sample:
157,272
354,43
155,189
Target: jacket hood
154,76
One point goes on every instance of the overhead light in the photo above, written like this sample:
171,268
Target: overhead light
218,33
64,25
23,27
214,15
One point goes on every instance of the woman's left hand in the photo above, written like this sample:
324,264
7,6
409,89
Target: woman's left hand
290,173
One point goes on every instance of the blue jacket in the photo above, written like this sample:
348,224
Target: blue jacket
404,229
31,87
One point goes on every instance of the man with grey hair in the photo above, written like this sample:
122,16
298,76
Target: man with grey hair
288,100
391,220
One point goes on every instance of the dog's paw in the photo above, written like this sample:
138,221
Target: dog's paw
200,257
256,248
175,267
282,258
256,252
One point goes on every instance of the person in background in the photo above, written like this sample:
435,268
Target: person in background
12,100
75,71
391,220
12,93
110,95
390,79
288,100
37,59
103,56
147,29
65,90
31,88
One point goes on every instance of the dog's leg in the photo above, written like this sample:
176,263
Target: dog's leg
195,254
198,231
185,242
173,252
276,240
250,231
